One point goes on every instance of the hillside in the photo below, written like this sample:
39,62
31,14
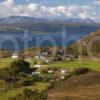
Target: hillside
88,46
82,87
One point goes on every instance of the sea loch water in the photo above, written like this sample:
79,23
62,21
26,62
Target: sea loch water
15,41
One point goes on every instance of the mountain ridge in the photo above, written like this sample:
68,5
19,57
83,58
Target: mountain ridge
25,19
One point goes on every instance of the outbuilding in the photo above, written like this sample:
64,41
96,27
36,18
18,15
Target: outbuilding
15,55
37,66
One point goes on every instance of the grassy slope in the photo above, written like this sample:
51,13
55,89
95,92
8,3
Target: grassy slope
82,87
5,62
41,86
95,65
94,38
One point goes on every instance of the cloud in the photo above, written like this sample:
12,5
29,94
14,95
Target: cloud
10,8
97,2
7,3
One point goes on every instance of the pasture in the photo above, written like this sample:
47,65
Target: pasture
92,64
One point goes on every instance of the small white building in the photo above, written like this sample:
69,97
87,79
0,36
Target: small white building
35,73
39,57
37,66
50,71
45,53
63,71
15,55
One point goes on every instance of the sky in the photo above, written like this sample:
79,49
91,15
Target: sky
51,9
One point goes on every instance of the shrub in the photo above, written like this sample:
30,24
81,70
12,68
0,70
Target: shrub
36,78
79,71
12,98
67,76
55,68
4,73
35,62
51,85
30,95
57,58
18,66
43,71
27,82
47,78
43,62
17,97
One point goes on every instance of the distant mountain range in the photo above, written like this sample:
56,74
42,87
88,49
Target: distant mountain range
17,24
19,19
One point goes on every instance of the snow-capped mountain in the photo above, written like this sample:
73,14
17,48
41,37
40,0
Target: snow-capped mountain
19,19
79,20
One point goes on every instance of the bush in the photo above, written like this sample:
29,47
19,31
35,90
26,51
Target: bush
35,62
27,82
67,76
57,58
43,62
79,71
30,95
17,97
12,98
43,71
36,78
19,66
51,85
4,73
47,78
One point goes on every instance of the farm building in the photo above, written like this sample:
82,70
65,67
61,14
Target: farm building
15,55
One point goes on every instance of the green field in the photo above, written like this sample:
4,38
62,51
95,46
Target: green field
95,65
92,64
40,86
5,62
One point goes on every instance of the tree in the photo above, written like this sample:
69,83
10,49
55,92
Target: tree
19,66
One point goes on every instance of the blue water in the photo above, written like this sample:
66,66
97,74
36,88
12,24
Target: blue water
15,41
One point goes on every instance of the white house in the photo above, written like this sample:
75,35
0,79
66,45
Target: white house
50,71
63,71
35,73
39,57
37,66
15,55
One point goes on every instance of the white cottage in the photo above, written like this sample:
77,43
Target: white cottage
37,66
63,71
15,55
39,57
